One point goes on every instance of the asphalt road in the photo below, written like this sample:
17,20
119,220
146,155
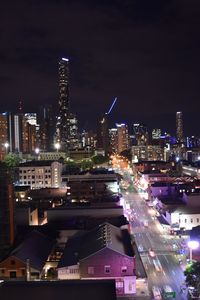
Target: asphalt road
164,267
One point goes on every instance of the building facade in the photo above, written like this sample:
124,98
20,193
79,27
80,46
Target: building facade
40,174
101,254
122,137
179,127
3,135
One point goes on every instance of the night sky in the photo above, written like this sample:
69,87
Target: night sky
145,52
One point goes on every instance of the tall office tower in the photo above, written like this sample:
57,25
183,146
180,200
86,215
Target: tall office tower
89,140
63,123
113,139
4,145
7,225
156,134
15,132
29,134
122,137
140,133
179,127
103,134
46,121
74,140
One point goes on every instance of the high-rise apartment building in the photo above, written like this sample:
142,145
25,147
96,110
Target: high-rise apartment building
74,140
122,137
179,127
113,136
15,132
156,134
47,130
3,135
63,122
140,134
89,140
103,134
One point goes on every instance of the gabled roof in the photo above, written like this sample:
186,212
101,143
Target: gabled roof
102,237
36,247
107,236
70,255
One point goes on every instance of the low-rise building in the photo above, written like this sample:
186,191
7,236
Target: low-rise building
27,260
40,174
91,185
97,210
104,252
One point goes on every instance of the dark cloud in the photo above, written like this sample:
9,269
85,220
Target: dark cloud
145,52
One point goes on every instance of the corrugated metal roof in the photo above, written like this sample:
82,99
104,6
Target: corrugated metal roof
35,248
103,236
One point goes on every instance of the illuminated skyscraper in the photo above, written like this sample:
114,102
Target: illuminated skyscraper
179,127
122,137
156,133
103,134
140,134
46,121
63,121
113,136
29,132
3,135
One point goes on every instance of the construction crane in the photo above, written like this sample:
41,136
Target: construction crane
112,105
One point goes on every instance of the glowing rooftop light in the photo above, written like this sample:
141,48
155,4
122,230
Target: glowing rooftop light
193,245
65,59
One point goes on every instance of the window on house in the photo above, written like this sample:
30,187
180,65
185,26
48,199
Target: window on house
12,262
13,274
191,220
119,284
90,270
197,220
185,220
106,269
124,269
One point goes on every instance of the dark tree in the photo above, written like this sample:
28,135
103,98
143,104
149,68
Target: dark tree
192,274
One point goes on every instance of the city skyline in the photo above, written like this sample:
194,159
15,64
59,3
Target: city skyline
145,54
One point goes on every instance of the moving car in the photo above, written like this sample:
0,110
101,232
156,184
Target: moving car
156,293
151,252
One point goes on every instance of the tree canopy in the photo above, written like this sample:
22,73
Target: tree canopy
99,159
12,160
192,274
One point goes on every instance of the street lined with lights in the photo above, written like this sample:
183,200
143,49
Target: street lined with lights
158,250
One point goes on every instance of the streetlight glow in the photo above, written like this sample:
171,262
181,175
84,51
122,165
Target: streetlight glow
57,146
6,145
192,246
37,150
